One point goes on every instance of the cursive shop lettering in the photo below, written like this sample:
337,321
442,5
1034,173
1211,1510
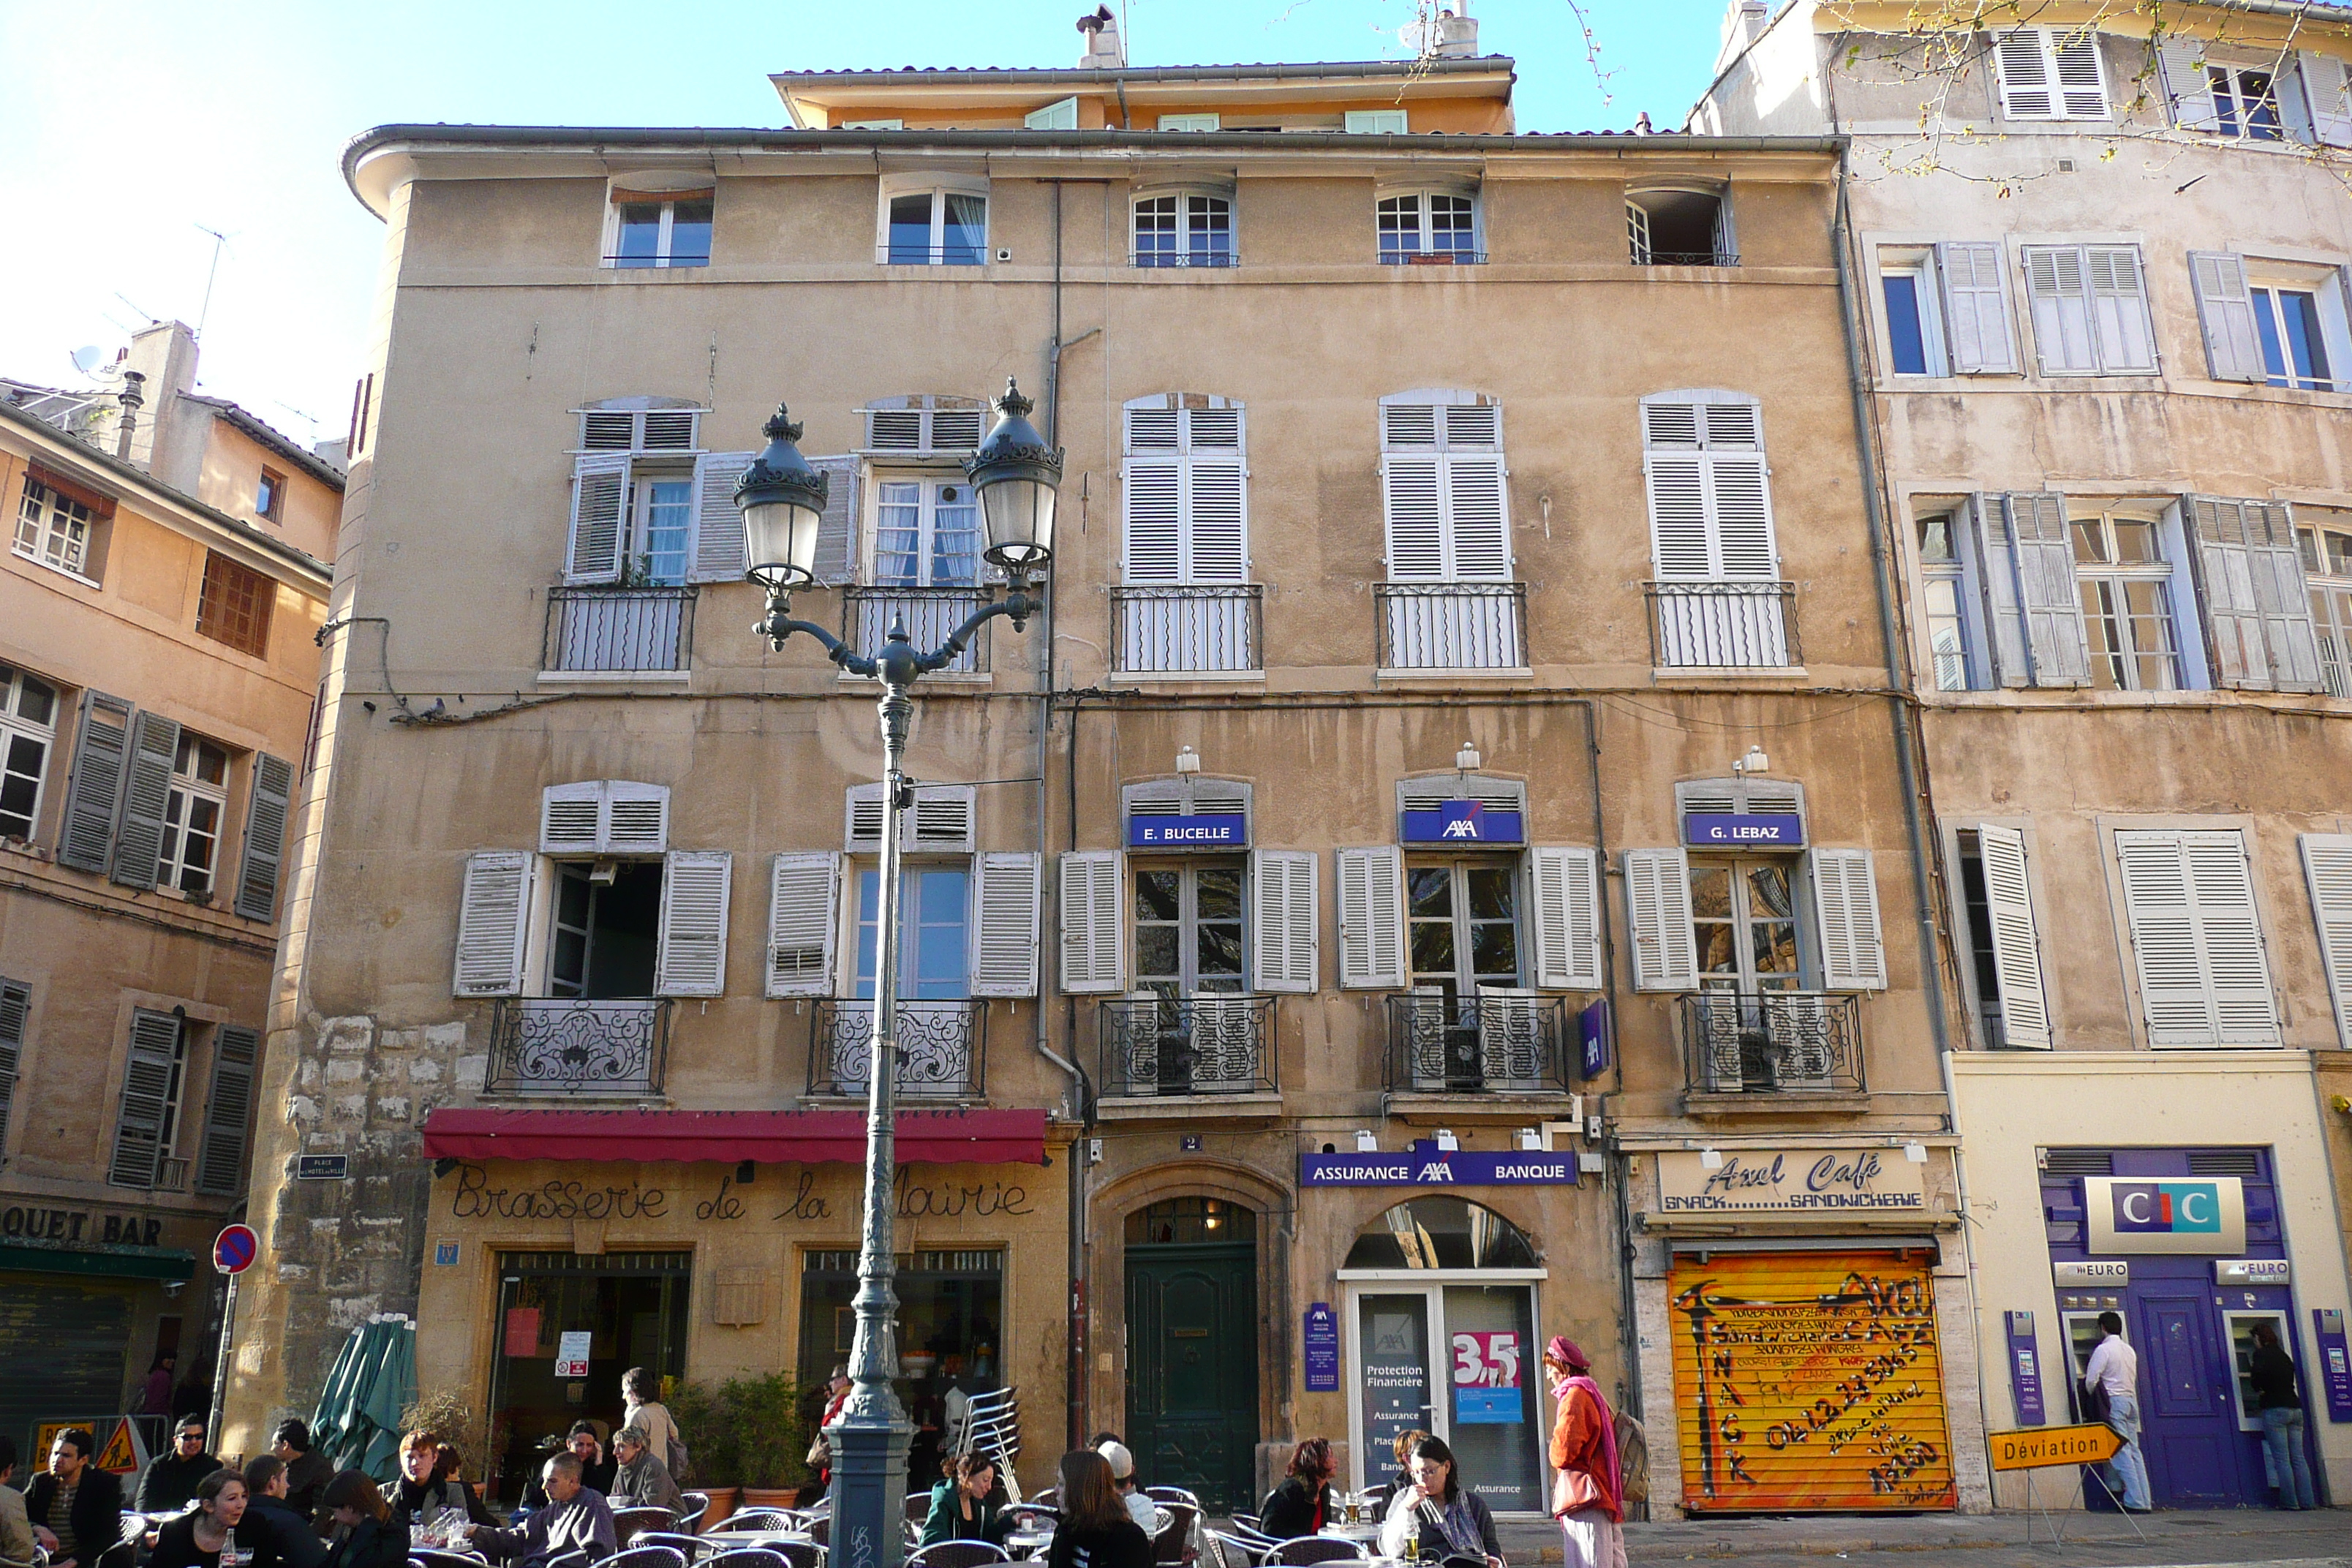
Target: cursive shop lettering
726,1205
477,1199
1739,1175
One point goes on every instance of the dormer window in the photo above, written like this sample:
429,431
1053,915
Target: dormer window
658,229
928,224
1426,226
1185,229
1680,226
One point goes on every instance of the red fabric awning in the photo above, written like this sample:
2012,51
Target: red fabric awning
770,1137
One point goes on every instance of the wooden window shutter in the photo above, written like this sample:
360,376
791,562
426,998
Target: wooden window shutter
719,554
2197,939
2225,589
1680,538
864,812
836,528
146,1100
1093,887
2181,61
2064,341
1005,894
2327,101
1564,898
1477,519
1413,497
2023,66
1975,308
940,821
2326,867
570,818
634,818
493,908
1658,898
803,903
600,495
1846,902
265,836
146,796
2016,940
228,1108
2119,307
1371,918
16,1011
1216,497
2230,932
2225,313
1153,505
94,791
2048,600
1997,585
691,956
1282,920
2283,594
2079,72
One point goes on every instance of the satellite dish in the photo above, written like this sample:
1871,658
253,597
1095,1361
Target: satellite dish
87,357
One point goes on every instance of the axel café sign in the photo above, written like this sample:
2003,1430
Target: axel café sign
1791,1181
2205,1216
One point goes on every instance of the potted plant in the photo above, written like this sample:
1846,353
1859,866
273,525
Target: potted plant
750,1432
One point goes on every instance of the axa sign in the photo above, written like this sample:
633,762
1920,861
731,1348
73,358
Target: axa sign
2123,1215
1464,822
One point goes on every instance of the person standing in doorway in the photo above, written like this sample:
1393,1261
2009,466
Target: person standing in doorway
1587,1489
2281,1407
2115,1367
641,1407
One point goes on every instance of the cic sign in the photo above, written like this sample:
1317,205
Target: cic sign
2205,1215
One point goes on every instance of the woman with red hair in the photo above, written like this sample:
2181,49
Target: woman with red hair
1588,1491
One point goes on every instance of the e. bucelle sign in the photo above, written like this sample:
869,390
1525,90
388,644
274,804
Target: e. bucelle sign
1210,830
1757,830
1464,822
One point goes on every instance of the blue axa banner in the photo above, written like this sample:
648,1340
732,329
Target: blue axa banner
1464,822
1438,1168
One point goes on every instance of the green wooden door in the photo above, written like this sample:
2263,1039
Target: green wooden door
1192,1369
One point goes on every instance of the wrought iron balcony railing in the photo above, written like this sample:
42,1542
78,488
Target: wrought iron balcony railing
1494,1042
561,1045
1201,1045
1452,626
1771,1042
930,614
1193,256
1390,257
618,629
943,1050
1162,631
1687,258
1724,625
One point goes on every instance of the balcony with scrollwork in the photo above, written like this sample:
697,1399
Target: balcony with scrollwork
559,1045
1502,1048
1772,1052
1452,625
942,1050
1200,1056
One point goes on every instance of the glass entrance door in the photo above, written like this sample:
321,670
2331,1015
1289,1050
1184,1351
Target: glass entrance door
1459,1360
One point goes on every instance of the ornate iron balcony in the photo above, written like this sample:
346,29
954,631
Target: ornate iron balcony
1494,1042
618,629
1162,631
1452,626
943,1050
561,1045
1203,1045
1724,625
1771,1042
1687,258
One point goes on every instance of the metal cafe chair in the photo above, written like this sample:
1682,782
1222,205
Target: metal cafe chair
428,1557
698,1504
693,1546
1172,1494
753,1520
800,1554
646,1557
959,1554
1171,1542
1309,1549
1232,1550
628,1523
747,1557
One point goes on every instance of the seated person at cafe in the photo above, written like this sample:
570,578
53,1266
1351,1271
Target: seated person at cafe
963,1506
1140,1508
449,1468
76,1508
269,1515
641,1479
586,1445
575,1518
422,1498
171,1480
1301,1503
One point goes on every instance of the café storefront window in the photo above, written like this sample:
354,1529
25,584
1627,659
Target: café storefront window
950,1323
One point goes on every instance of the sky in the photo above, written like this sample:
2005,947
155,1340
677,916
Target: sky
135,128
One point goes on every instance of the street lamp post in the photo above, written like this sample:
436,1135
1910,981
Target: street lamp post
783,498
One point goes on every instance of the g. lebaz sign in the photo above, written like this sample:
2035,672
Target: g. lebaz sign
1791,1181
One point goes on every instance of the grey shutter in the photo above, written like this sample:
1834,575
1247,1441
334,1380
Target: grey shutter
1845,902
146,795
2324,80
803,894
1283,920
220,1160
600,498
1997,583
94,792
2225,311
1094,885
1005,894
2182,61
146,1100
493,908
1975,308
2047,595
2023,66
691,954
1564,898
15,1008
837,532
1657,897
2327,865
2015,940
1371,918
719,552
2283,594
2257,603
265,836
2197,938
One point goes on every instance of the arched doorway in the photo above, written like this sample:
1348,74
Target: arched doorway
1191,1364
1442,1315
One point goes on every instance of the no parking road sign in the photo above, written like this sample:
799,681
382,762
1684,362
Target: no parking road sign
235,1249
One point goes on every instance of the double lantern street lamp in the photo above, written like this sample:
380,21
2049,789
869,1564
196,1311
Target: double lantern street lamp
782,500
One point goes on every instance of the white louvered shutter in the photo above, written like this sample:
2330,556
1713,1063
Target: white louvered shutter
600,494
804,904
493,905
2181,62
1413,497
1004,897
1710,495
690,959
2225,311
2119,307
1658,899
1845,899
1093,900
634,818
2024,64
1477,519
836,528
1680,539
2064,341
228,1108
146,796
2049,601
1371,918
1282,920
1564,887
571,818
1997,582
1154,506
1216,535
2081,78
2283,594
2016,942
2197,938
719,554
147,1074
2324,84
2328,869
940,821
16,1011
1975,308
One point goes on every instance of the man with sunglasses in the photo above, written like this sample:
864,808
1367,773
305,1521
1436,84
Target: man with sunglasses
171,1480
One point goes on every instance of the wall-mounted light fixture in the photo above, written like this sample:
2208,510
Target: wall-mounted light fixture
1188,761
1365,1142
1446,1140
1755,761
1467,760
1710,1159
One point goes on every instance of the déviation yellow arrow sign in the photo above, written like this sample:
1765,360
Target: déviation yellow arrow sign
2037,1447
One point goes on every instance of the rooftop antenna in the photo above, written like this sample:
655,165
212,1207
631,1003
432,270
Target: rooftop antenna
219,241
134,304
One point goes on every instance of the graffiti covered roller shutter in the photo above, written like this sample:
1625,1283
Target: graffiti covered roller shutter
1808,1380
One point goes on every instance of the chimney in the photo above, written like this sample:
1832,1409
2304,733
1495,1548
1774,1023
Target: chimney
1105,50
1456,33
132,398
173,447
1744,22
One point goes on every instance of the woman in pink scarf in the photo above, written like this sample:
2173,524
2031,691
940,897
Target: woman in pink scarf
1588,1485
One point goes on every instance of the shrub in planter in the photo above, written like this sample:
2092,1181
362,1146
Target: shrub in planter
746,1431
